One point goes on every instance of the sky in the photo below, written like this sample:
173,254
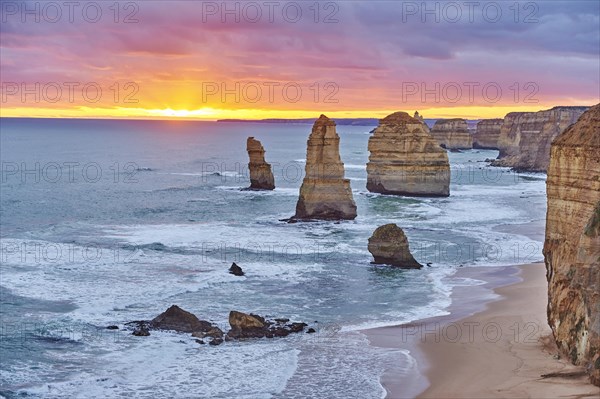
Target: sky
271,59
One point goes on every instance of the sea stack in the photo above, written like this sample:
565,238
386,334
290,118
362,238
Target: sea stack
261,176
487,134
452,134
406,160
572,245
389,246
325,194
525,137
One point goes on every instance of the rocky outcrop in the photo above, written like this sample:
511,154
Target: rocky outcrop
572,245
389,246
179,320
525,137
244,326
325,194
243,321
406,160
236,270
487,134
261,175
452,134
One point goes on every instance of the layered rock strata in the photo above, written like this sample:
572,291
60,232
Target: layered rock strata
406,160
452,134
421,119
525,137
261,175
389,246
487,134
325,194
572,245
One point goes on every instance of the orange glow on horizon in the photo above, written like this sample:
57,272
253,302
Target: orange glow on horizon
212,114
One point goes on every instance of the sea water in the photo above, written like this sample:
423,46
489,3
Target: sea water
104,222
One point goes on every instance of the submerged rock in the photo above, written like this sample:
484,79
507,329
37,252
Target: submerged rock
214,332
325,194
261,175
180,320
406,160
141,332
389,246
216,341
572,244
452,134
236,270
141,328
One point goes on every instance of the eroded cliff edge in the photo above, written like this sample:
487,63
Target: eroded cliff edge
525,137
487,134
572,245
452,134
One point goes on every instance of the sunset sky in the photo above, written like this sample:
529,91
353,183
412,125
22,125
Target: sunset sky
169,59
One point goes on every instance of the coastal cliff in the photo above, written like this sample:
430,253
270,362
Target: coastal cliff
325,194
525,137
452,134
487,134
406,160
261,175
572,245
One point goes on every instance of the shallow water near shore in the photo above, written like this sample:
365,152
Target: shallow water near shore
104,222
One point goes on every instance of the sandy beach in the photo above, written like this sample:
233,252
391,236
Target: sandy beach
495,343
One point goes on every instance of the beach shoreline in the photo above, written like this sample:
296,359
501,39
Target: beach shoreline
494,343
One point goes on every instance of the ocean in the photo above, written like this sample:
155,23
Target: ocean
108,221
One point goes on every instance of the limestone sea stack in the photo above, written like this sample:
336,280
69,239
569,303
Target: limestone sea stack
406,160
525,137
572,245
452,134
325,194
261,175
389,246
487,134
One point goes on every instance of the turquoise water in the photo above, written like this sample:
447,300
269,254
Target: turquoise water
105,222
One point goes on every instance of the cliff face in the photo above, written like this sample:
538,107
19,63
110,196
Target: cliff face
487,134
452,134
406,160
525,137
325,193
572,246
261,176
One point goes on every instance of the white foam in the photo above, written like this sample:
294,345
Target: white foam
185,367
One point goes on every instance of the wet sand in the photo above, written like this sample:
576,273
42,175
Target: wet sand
495,343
